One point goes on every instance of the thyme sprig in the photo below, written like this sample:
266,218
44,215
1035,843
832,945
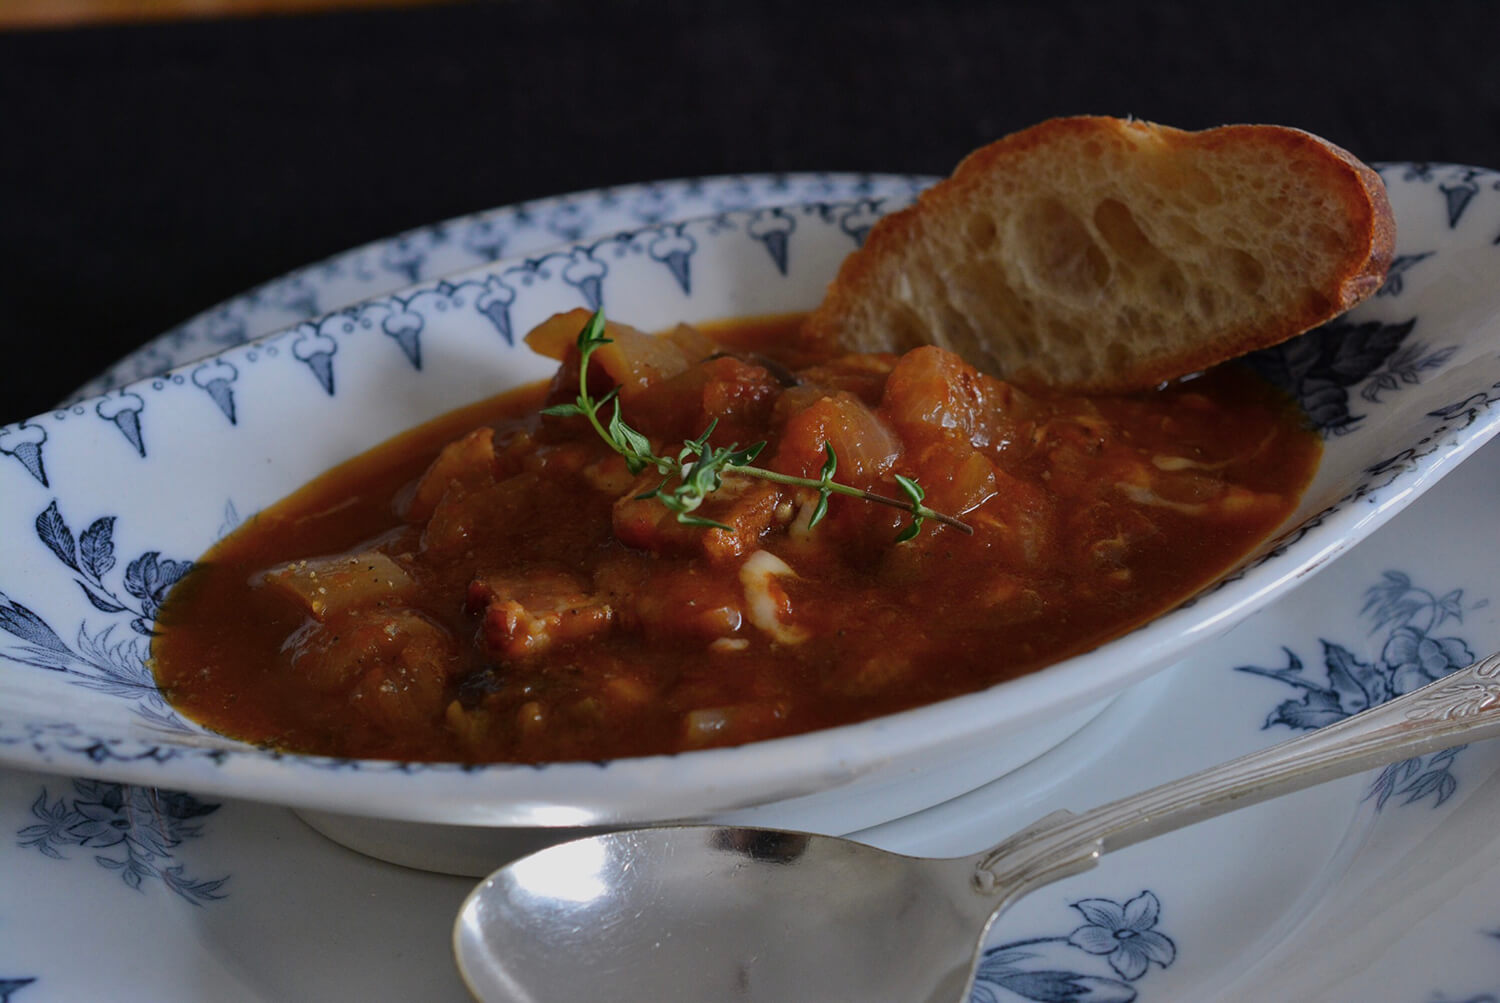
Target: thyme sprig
699,466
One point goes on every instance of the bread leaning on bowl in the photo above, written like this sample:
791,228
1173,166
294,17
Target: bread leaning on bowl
1101,255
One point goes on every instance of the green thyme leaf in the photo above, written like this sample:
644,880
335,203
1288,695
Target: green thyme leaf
629,443
915,493
830,465
592,335
825,478
819,510
744,457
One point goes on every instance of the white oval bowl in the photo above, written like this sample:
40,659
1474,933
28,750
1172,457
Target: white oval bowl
97,500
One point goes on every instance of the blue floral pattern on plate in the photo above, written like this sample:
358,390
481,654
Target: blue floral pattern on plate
1489,997
1123,935
133,831
8,987
1412,655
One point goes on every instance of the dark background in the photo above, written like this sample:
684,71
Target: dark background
150,171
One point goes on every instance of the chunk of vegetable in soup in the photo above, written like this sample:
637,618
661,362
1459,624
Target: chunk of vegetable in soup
493,587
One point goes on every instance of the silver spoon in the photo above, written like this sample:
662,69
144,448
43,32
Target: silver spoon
709,913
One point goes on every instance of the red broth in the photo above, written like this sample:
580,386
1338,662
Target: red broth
489,587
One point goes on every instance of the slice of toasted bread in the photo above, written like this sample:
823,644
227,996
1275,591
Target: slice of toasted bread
1101,255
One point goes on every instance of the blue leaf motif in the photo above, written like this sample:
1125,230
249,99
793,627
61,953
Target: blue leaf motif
100,602
196,892
1445,758
982,993
1067,987
1001,960
1383,787
97,547
1358,685
10,986
1314,710
135,573
56,535
1319,367
142,627
23,623
1450,607
1360,348
1416,780
1439,783
1393,585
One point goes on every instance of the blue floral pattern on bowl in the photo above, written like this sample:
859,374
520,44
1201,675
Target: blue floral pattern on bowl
1417,372
441,249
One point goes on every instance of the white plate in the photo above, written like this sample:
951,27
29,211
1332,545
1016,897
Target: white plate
1319,897
1332,895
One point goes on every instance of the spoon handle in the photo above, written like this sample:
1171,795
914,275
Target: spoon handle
1463,706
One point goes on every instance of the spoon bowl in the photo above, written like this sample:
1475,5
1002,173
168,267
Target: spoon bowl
622,916
725,913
